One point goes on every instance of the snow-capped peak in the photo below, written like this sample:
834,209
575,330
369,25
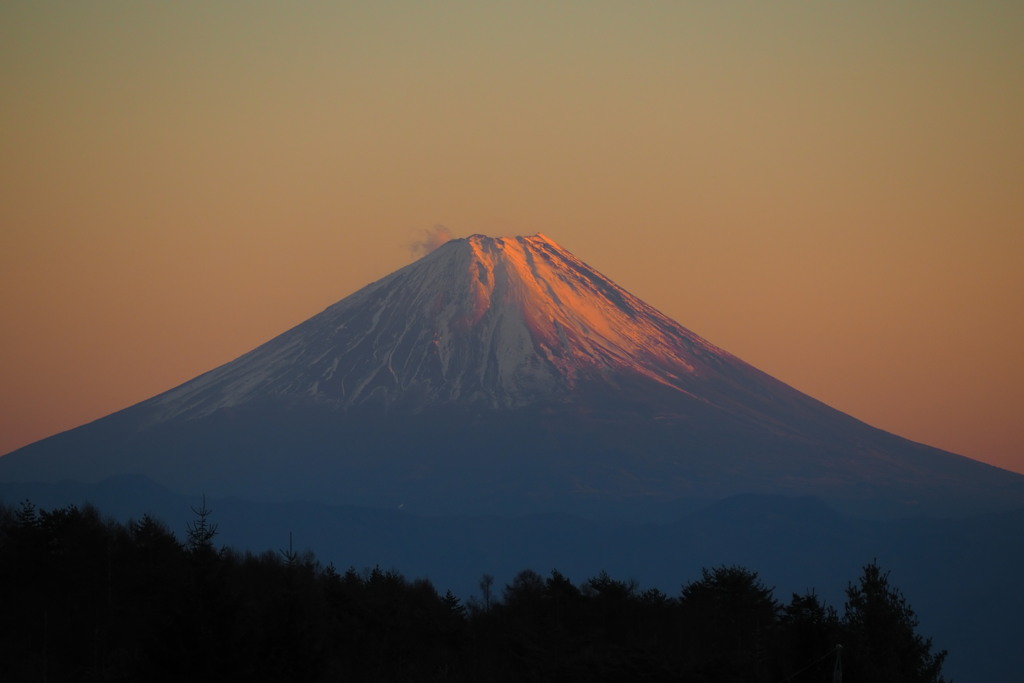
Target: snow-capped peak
496,321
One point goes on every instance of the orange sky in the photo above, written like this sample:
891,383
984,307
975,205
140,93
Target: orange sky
832,191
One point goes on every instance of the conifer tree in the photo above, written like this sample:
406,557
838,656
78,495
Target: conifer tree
881,642
200,531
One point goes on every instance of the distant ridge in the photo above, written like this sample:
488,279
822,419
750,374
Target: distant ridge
506,375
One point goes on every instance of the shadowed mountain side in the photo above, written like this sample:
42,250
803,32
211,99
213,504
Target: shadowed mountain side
620,462
961,576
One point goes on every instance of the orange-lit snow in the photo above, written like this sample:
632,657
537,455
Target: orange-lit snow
495,321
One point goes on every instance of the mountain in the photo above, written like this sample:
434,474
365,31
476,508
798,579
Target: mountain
504,375
503,405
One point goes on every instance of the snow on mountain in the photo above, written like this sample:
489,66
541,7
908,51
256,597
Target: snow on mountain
494,321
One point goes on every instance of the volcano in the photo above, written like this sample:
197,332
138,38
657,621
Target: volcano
499,375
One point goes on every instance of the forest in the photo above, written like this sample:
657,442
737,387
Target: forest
86,598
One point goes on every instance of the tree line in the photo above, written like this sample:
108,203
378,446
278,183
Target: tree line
91,599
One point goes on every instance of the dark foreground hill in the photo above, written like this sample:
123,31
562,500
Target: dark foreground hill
88,599
961,575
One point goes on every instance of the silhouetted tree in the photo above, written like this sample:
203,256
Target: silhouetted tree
880,639
810,638
486,582
729,621
454,605
200,531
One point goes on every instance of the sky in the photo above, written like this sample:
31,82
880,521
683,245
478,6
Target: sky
832,191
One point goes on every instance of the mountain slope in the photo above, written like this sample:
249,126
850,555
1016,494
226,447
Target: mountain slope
498,375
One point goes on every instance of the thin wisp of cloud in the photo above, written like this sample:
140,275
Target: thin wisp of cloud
432,239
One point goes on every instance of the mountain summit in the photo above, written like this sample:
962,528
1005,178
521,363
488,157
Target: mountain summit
504,374
492,322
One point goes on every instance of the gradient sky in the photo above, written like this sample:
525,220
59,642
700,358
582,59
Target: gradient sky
833,191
